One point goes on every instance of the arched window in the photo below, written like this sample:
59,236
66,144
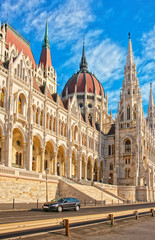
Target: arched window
33,164
41,118
47,120
127,146
19,105
65,131
62,128
109,149
2,98
51,123
111,166
54,127
128,113
18,158
37,115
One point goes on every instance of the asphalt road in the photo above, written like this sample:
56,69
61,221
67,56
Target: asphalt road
20,216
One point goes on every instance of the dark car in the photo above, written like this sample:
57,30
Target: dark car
62,204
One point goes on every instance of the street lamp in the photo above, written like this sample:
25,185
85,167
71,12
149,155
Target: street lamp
102,191
47,170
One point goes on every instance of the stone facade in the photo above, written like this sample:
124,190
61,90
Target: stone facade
41,131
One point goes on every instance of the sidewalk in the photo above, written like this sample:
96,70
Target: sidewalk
20,206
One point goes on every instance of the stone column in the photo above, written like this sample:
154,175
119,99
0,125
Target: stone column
29,154
91,173
79,167
42,159
3,150
85,170
25,155
55,164
9,148
98,173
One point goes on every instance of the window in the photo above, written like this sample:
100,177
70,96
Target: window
18,158
122,117
128,113
50,123
90,105
81,105
2,98
109,149
128,91
37,115
111,166
33,164
46,165
19,105
41,118
113,149
127,146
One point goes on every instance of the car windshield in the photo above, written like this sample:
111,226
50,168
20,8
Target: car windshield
55,200
61,200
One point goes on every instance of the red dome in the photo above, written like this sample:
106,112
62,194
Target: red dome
81,80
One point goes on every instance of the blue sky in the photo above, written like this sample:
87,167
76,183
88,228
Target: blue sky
105,25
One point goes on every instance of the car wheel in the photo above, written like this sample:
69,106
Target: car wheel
77,208
59,209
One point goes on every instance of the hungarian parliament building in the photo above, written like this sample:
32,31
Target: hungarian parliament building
71,135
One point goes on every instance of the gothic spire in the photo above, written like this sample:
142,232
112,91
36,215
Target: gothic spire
45,57
151,100
46,42
130,58
83,64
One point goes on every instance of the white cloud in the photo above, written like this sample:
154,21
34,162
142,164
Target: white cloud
66,21
16,8
148,42
107,59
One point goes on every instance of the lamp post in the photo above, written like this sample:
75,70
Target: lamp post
47,169
102,191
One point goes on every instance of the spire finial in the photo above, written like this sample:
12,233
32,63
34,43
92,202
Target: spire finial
83,64
129,35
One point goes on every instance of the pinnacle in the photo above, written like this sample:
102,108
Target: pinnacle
151,100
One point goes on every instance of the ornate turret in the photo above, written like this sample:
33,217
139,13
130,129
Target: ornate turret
45,57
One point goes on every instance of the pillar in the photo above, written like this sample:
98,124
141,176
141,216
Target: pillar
3,150
25,155
85,170
9,148
42,160
69,163
29,154
98,173
91,172
55,164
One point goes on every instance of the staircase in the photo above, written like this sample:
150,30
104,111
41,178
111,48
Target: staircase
86,193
